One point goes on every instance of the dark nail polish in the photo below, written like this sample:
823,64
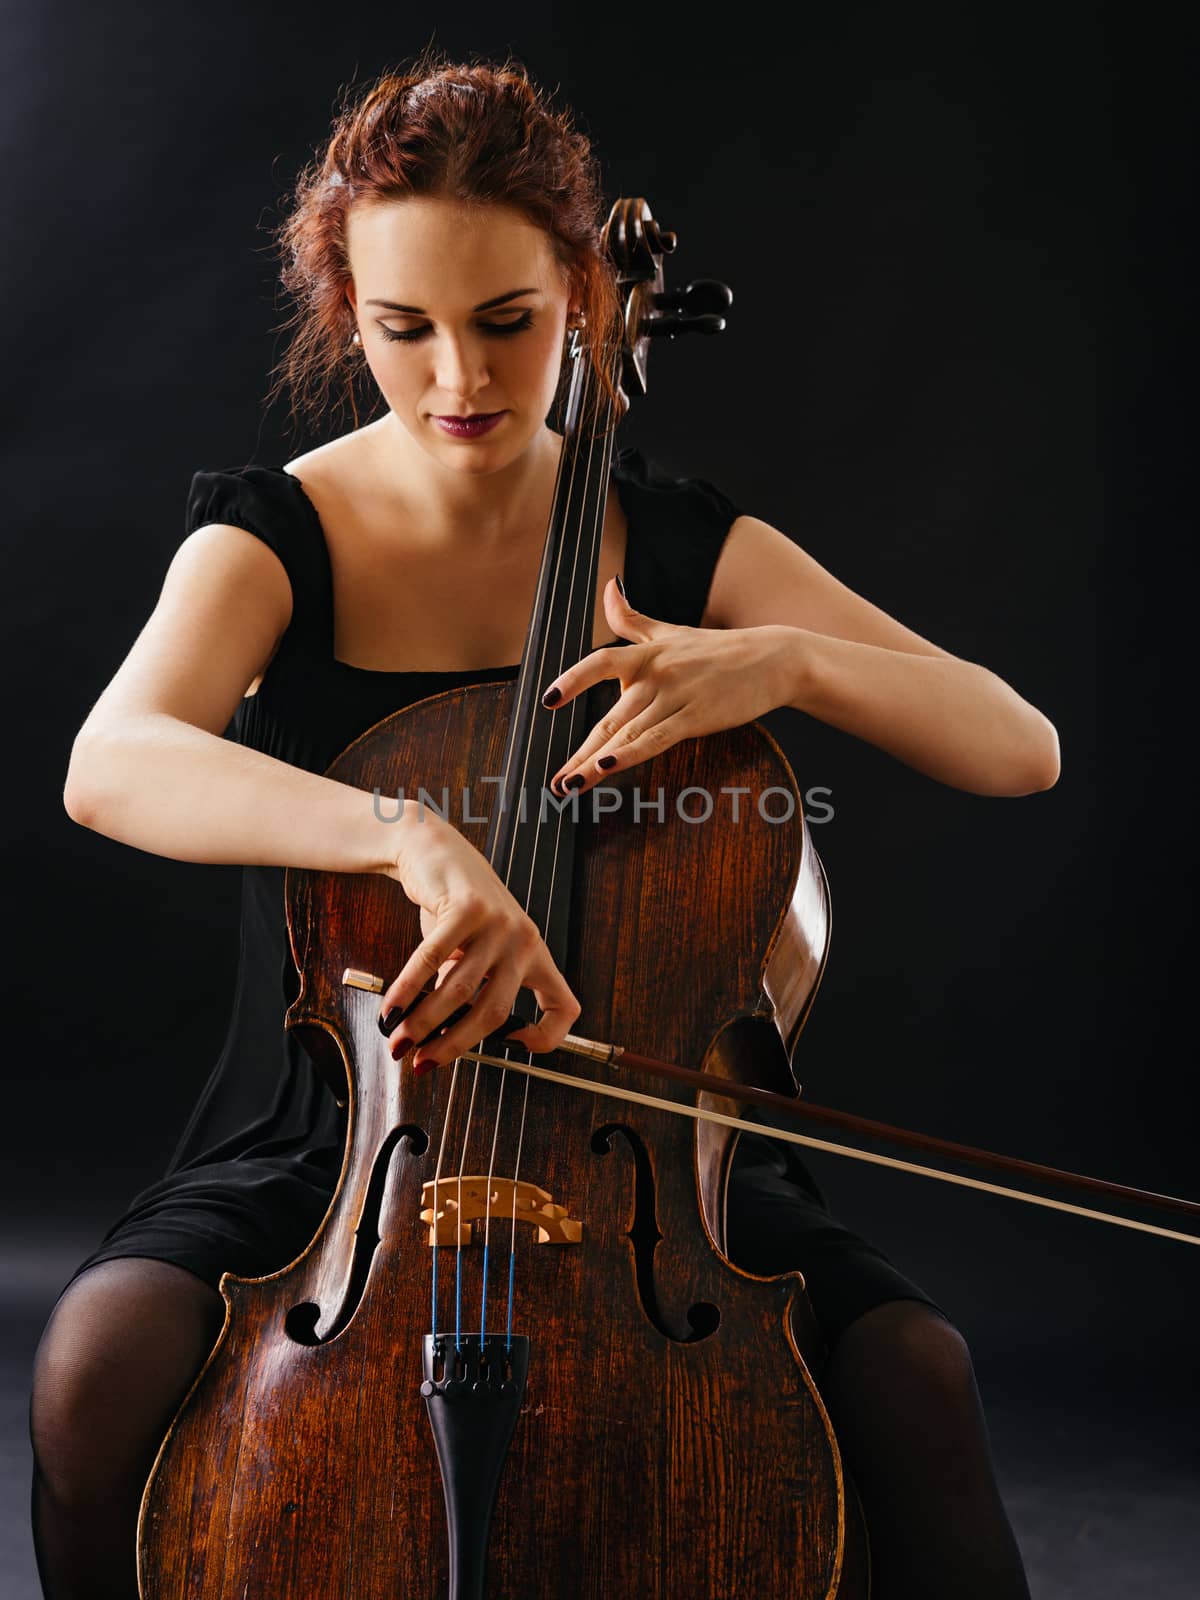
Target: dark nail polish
398,1013
552,697
606,762
575,781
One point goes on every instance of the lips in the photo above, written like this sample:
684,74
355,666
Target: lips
470,426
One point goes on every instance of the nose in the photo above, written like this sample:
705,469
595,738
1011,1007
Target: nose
460,366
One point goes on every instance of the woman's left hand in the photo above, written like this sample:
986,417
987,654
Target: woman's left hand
676,683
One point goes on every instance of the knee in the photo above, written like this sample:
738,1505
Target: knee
66,1410
906,1344
108,1377
932,1352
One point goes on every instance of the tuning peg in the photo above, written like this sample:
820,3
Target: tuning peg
700,297
668,326
661,238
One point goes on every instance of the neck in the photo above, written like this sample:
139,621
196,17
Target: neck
469,511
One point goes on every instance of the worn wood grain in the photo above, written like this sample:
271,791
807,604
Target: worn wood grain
646,1465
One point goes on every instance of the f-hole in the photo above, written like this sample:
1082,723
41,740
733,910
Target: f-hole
703,1318
300,1323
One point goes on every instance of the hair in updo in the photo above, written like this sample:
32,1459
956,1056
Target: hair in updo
481,133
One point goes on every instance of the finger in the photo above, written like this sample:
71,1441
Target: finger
624,619
555,999
452,998
390,1017
648,736
614,742
610,661
418,975
449,937
637,701
451,960
491,1008
560,1009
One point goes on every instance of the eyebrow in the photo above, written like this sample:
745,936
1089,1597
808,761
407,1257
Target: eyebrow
486,305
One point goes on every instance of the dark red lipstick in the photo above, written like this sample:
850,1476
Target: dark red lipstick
473,427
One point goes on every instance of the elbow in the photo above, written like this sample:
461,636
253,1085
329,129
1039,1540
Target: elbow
1045,765
1029,769
81,790
77,804
77,800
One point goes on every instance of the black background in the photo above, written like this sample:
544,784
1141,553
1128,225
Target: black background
955,371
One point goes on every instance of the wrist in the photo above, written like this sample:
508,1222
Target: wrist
794,666
388,828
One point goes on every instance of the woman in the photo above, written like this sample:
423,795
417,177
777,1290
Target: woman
446,241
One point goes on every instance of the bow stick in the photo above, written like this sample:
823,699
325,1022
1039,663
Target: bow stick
617,1057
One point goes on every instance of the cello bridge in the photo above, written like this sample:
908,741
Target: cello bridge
459,1202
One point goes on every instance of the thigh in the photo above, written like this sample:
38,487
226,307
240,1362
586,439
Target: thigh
120,1350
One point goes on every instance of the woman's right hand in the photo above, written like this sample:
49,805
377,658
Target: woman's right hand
474,932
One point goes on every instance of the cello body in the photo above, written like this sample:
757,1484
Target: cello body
668,1439
514,1362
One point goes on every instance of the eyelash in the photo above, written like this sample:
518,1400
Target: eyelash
503,329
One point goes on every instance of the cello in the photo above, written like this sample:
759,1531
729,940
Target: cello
514,1360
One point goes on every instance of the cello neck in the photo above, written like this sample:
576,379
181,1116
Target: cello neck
529,843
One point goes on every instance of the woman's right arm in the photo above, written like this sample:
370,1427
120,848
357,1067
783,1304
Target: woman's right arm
150,768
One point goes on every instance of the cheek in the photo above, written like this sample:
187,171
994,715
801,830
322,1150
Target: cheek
394,376
541,360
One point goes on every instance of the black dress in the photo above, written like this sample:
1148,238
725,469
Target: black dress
256,1165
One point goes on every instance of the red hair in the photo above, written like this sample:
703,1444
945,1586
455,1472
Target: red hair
483,134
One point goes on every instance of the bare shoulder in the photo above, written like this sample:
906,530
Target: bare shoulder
763,576
334,465
353,498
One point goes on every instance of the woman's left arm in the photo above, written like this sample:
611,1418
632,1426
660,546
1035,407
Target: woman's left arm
858,669
794,635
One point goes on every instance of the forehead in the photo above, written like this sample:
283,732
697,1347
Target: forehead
424,250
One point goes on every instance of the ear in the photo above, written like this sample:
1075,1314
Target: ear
575,300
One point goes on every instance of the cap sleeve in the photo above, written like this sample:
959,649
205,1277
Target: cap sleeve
271,504
676,530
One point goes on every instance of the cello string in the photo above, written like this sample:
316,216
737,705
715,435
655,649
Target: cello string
580,390
505,779
580,646
437,1190
567,644
487,1216
512,1241
584,379
462,1161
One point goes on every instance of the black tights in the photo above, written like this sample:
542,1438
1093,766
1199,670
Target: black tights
118,1354
128,1336
900,1390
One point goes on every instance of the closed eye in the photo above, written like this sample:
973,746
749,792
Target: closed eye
503,329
